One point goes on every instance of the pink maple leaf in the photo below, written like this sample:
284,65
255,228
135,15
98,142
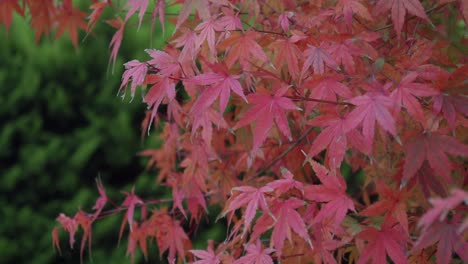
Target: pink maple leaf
188,42
283,20
449,106
284,185
342,54
256,255
433,148
392,203
138,236
70,225
230,20
441,207
287,53
163,87
251,196
267,109
399,8
332,191
447,238
350,7
131,200
136,71
317,57
205,120
207,256
158,9
405,95
174,241
101,201
334,139
386,241
243,48
200,5
220,84
326,89
207,33
116,39
134,6
287,218
370,108
164,62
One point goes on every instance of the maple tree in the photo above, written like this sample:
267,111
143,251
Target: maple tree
278,97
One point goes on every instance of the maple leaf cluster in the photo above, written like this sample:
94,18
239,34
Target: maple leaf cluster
278,97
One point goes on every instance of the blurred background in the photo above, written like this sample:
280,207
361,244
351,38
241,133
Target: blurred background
62,126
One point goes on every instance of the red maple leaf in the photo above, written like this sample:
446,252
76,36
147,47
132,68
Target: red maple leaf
7,7
332,191
242,48
334,139
317,57
169,235
97,8
399,8
85,221
267,109
206,119
451,100
448,240
432,147
138,236
70,19
220,83
350,7
56,239
405,95
392,203
173,241
255,254
327,88
288,53
343,53
389,240
42,12
371,107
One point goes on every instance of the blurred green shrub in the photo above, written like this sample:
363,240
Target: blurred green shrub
62,125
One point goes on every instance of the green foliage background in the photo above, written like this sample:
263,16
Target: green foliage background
62,126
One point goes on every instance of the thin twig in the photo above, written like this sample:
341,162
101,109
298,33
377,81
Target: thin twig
282,155
295,98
